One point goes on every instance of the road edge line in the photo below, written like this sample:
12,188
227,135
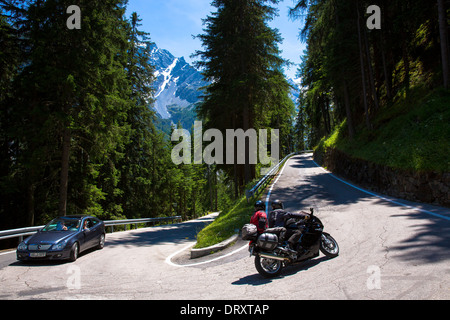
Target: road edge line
382,197
169,258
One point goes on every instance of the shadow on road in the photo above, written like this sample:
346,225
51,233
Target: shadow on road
430,235
306,190
257,279
176,233
430,240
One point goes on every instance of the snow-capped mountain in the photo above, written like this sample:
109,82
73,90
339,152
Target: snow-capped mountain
177,82
295,90
178,86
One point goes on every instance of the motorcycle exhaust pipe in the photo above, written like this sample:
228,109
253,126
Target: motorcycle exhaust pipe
273,257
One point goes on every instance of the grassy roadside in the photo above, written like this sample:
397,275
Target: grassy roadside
231,220
226,225
413,133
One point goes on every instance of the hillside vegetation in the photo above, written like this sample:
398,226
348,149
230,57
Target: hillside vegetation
413,133
377,94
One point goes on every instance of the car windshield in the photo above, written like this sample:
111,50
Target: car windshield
63,224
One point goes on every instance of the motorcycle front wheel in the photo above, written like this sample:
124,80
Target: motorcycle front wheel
268,268
329,246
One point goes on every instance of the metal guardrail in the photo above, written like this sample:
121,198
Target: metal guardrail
250,193
19,233
112,223
23,232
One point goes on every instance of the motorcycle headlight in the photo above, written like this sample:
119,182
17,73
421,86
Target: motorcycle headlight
59,246
22,247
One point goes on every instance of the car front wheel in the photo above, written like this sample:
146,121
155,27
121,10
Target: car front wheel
74,251
101,242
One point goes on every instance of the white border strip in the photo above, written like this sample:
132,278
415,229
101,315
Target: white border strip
273,185
383,198
7,252
169,258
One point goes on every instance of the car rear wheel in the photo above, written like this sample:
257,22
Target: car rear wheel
74,251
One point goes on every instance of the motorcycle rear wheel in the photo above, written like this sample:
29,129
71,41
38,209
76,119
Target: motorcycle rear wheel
268,268
329,246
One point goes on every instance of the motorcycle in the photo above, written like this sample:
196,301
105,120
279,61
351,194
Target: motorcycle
271,250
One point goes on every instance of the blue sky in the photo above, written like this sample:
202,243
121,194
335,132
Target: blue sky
171,24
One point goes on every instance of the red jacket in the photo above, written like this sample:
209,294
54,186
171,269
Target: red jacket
259,219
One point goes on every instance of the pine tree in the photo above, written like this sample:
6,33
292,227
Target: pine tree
351,71
443,29
241,59
69,106
138,180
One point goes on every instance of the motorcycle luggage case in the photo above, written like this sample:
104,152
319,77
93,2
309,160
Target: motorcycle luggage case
249,232
268,241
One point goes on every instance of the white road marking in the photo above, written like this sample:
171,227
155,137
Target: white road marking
169,258
8,252
273,185
383,198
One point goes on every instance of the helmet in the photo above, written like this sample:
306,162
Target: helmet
277,204
259,205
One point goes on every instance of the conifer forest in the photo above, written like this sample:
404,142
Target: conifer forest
77,127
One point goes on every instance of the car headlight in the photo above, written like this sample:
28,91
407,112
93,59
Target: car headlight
59,246
22,246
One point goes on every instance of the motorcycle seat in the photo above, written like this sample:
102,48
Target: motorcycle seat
278,231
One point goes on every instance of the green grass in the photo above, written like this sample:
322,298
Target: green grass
226,225
413,133
231,220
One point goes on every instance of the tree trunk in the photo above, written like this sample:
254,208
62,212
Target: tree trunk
370,68
235,166
387,75
444,40
326,118
211,189
348,110
64,173
363,72
246,126
215,190
405,60
30,203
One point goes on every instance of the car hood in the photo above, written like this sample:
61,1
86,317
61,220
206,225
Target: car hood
50,237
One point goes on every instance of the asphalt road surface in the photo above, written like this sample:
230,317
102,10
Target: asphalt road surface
390,249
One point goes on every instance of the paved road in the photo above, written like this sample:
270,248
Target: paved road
388,251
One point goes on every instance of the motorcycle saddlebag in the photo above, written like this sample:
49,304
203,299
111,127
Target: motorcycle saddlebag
249,232
268,241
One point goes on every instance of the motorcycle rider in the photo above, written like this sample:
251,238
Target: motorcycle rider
278,217
259,218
